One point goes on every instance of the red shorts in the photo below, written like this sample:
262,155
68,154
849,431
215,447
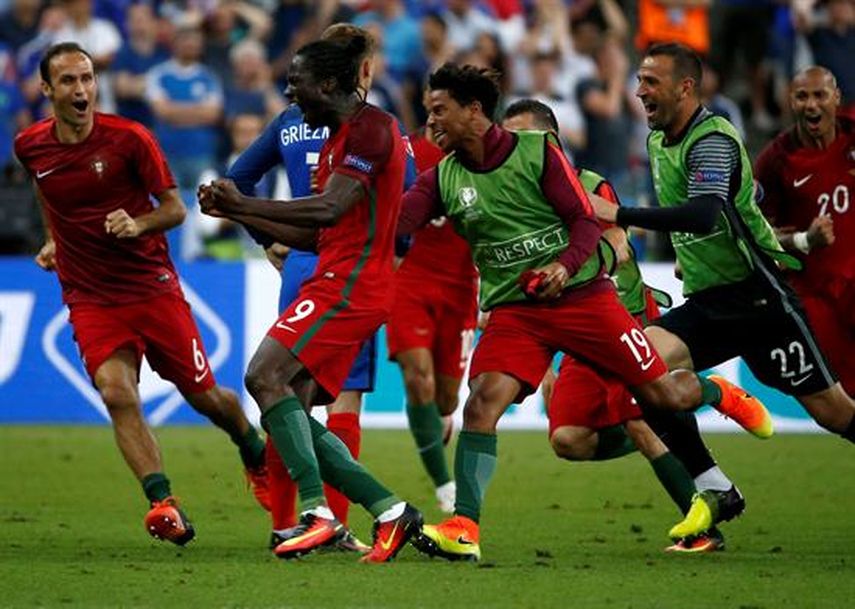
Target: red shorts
325,331
584,397
161,328
521,340
437,317
831,313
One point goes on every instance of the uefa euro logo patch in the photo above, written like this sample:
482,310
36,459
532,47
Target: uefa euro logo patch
467,196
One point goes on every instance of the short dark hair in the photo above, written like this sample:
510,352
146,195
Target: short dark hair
54,51
466,84
687,64
543,114
337,60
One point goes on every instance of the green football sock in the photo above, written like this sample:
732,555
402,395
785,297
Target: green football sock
474,465
426,427
710,392
675,479
156,486
288,426
612,442
341,471
251,448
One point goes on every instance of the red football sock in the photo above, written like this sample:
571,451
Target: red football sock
283,491
345,425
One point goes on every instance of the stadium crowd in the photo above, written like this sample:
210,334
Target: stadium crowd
207,75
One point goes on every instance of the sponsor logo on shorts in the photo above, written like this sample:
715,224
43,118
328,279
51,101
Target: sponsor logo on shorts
796,383
198,378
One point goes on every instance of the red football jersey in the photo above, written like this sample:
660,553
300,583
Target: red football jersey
117,167
438,253
799,184
360,248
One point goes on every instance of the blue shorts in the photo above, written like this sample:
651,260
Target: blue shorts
298,267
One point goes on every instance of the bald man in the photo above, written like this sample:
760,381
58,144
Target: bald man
806,179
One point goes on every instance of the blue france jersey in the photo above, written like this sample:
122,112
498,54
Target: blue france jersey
290,141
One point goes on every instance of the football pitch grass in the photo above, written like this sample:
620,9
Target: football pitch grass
554,534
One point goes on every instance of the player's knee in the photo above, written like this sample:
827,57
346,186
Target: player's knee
832,409
259,381
420,384
482,410
569,445
673,391
119,396
446,400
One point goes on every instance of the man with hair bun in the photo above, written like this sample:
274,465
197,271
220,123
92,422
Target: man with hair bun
307,354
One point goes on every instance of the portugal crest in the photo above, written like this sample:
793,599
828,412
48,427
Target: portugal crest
98,166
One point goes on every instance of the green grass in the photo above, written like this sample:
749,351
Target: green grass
554,534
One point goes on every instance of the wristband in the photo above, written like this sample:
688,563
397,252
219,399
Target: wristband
800,241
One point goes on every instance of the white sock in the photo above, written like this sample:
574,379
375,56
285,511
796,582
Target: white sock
393,512
448,487
321,511
713,480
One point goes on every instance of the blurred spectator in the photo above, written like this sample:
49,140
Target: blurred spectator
20,23
548,33
186,99
51,21
252,90
437,48
741,31
544,72
402,38
14,114
229,22
297,22
603,99
718,103
832,39
100,38
140,53
223,239
605,16
510,21
465,23
489,49
683,21
387,93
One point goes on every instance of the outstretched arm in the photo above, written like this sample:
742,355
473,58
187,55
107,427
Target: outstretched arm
299,237
711,165
420,204
326,209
